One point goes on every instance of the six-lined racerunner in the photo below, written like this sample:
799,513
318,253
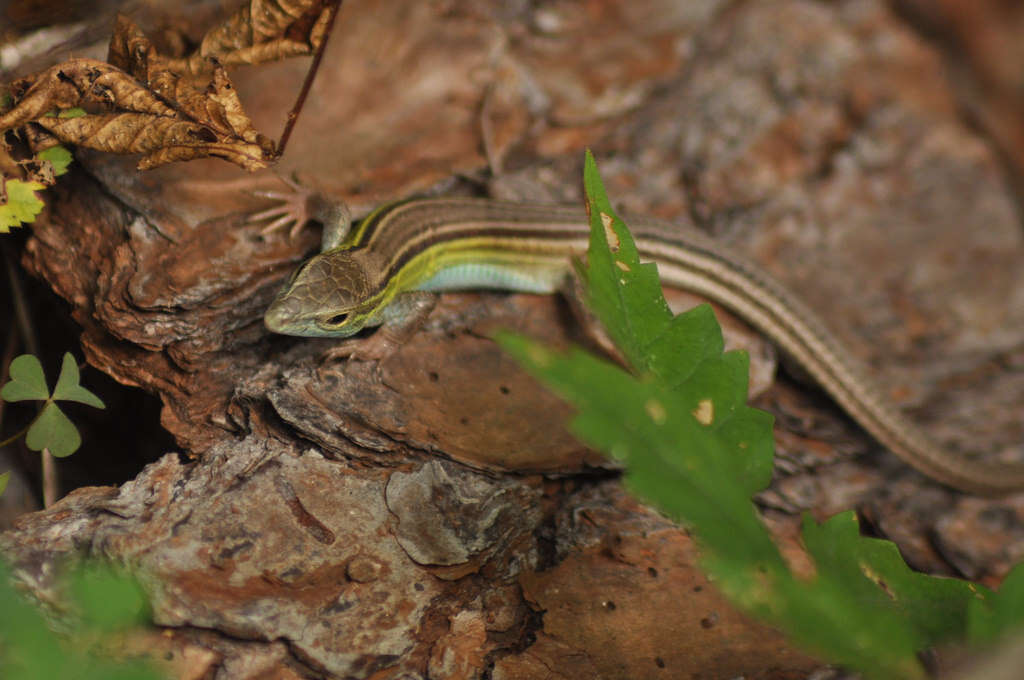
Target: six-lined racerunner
380,274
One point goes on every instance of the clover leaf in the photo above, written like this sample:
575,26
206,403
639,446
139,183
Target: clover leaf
51,429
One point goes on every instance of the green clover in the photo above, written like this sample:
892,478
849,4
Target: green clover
51,429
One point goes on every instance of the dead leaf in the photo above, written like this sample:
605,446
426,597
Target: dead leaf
138,104
263,30
76,82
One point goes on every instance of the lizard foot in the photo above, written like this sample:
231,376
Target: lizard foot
293,209
302,205
376,347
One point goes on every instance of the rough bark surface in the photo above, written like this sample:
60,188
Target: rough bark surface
429,515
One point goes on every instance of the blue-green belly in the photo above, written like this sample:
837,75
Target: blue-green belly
534,278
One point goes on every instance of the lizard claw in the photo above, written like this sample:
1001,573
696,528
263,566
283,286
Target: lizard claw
376,347
292,209
361,349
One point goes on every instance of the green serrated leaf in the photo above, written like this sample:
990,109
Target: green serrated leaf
27,380
59,157
52,430
684,351
696,450
689,339
108,599
935,608
754,462
683,468
624,293
822,615
68,387
1000,613
4,478
672,460
22,207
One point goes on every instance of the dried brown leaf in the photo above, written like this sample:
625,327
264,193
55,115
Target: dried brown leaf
130,50
163,139
77,82
245,156
37,139
17,162
137,104
223,93
9,167
41,172
263,30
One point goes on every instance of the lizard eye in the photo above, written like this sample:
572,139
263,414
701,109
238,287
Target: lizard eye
337,319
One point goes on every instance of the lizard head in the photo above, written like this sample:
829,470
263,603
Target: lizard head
325,297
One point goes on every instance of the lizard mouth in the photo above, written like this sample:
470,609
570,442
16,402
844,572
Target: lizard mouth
275,321
283,316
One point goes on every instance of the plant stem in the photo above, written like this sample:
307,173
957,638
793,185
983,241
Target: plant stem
16,435
21,315
10,347
50,486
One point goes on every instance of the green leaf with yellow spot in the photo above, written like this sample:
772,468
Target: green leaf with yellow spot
673,460
684,351
22,207
695,449
934,607
997,615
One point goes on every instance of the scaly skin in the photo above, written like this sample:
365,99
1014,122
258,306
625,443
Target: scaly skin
372,274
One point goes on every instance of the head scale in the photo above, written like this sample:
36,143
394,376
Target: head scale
326,297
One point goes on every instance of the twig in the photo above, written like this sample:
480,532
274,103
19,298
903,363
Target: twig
293,115
16,435
21,315
10,347
487,133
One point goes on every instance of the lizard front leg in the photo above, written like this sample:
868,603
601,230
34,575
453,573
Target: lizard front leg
301,205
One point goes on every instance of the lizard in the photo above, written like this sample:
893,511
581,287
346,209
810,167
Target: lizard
385,271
